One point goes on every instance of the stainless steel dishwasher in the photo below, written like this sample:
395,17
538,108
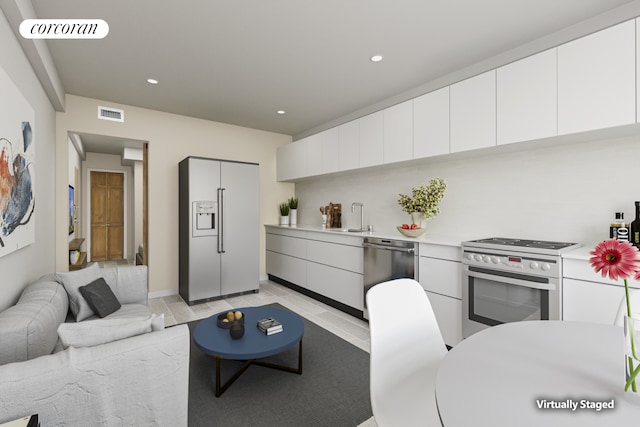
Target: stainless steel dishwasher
387,259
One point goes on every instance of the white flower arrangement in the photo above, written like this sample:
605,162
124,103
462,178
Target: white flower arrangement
425,199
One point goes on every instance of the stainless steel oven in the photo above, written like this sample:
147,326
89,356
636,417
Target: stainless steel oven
509,282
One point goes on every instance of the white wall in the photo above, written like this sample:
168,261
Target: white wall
568,192
137,205
20,267
75,162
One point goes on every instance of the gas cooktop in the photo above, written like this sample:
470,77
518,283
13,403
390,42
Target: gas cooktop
523,245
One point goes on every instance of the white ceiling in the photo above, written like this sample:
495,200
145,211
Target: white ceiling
239,61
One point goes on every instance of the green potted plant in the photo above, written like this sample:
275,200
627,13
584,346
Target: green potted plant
293,206
284,213
424,200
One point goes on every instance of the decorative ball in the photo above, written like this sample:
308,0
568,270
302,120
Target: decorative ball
236,331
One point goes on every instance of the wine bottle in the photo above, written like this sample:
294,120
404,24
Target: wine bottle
635,228
619,229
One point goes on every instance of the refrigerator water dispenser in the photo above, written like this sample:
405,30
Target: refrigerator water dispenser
204,218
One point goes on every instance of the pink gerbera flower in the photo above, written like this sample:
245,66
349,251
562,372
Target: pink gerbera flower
616,259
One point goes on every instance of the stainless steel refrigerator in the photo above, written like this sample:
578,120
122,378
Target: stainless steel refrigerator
219,223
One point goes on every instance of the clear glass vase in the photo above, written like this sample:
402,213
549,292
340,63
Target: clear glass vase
631,352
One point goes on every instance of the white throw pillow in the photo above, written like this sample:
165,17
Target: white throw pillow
101,331
72,281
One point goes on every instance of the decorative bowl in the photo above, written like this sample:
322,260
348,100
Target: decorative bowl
227,325
416,232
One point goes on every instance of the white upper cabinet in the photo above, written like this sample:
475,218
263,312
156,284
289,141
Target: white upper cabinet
597,80
284,162
398,132
313,152
371,139
330,140
527,106
291,161
431,124
473,112
349,145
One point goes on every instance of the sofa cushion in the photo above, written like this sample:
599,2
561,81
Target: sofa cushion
128,283
101,331
72,281
29,328
100,297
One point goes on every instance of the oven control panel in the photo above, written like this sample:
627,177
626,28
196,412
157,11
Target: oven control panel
533,264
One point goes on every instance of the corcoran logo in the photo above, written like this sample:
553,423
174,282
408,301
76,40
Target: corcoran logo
64,29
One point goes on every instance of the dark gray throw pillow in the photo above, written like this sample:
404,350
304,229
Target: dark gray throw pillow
100,297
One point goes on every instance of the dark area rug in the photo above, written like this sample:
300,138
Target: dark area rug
333,389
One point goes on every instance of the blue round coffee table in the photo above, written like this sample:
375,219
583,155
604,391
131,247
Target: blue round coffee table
254,344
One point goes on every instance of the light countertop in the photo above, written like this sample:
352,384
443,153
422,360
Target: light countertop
427,238
581,253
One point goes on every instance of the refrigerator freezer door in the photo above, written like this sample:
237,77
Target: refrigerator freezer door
199,258
240,222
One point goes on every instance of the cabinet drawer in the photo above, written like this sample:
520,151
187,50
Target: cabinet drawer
452,253
286,231
440,276
291,269
590,302
286,245
448,312
340,285
582,270
340,256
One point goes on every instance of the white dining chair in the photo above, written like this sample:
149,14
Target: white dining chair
406,350
634,300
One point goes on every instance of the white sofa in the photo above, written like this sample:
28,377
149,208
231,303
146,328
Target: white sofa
123,369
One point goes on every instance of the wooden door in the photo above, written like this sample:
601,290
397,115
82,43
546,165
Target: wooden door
107,216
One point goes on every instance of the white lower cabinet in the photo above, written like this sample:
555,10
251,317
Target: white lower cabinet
448,313
340,285
286,267
589,297
590,301
439,275
329,265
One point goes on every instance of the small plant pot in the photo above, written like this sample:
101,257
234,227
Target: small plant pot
284,220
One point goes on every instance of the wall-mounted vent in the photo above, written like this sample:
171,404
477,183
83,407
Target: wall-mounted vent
113,114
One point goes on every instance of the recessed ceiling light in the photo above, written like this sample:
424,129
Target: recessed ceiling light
152,81
376,58
281,112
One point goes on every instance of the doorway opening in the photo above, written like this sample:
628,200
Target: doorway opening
112,197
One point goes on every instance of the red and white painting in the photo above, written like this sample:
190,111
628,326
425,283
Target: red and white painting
17,157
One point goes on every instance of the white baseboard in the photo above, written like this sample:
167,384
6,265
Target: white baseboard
170,292
160,294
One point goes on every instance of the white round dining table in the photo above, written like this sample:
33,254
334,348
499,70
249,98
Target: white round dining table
537,373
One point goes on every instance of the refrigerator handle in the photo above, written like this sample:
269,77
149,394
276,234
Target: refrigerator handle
221,220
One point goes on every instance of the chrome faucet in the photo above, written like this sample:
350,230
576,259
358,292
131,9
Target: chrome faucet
353,209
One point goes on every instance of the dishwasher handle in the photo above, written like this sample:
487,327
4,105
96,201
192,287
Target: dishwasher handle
388,248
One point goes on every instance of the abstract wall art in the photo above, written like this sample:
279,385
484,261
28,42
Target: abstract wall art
17,168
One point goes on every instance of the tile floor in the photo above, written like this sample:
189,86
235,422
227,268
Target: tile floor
349,328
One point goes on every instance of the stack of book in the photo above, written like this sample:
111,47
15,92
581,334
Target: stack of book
269,326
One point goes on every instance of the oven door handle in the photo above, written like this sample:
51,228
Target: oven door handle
512,281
